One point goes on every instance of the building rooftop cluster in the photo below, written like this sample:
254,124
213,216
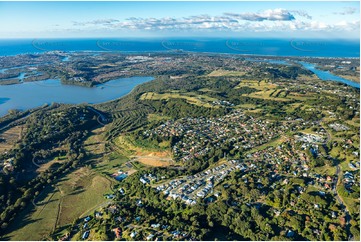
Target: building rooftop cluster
200,135
200,185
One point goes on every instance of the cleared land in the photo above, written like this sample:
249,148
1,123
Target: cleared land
145,155
155,159
85,189
47,165
75,195
9,137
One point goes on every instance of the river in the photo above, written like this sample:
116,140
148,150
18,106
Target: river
327,76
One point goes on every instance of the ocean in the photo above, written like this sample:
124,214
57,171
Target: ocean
246,46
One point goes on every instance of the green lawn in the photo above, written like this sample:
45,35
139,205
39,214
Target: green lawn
191,98
35,223
273,143
325,170
79,193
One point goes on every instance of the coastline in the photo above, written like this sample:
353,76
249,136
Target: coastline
182,52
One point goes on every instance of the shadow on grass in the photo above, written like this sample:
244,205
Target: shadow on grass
23,219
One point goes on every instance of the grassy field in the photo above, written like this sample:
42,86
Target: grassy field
95,143
307,77
265,95
86,192
262,85
37,221
272,143
325,170
129,147
246,106
352,204
74,196
354,122
226,73
355,78
10,137
156,117
191,98
57,160
207,90
269,90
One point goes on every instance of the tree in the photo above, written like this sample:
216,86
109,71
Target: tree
254,194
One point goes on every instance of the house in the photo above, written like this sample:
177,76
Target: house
98,215
117,232
85,235
113,209
300,189
119,219
133,234
65,237
142,180
139,203
149,237
155,226
109,196
121,190
175,233
333,214
290,234
352,166
209,200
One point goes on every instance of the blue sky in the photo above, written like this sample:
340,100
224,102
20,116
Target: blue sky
179,19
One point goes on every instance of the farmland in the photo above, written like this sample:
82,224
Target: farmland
55,208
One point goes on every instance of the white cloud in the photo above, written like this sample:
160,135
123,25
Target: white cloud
270,14
346,11
301,13
267,21
97,22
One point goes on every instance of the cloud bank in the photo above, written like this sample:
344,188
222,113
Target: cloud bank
264,21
